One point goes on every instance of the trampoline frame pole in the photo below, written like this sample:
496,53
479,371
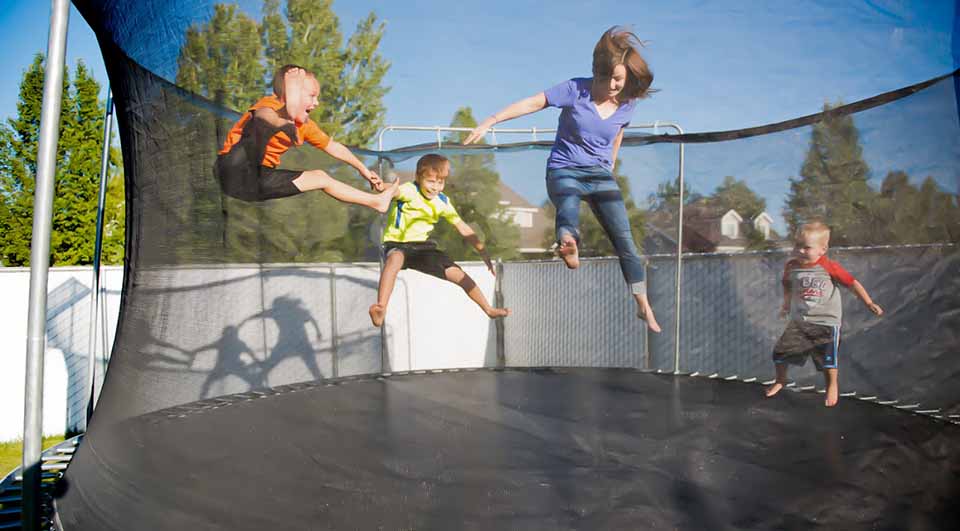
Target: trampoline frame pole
40,262
97,251
679,275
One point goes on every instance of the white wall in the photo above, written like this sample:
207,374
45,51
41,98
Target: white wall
430,324
65,363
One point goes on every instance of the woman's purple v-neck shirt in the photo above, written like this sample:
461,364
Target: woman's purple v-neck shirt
583,138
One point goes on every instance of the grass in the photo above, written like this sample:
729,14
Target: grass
11,453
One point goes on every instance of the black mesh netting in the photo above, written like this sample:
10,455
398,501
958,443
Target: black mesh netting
214,412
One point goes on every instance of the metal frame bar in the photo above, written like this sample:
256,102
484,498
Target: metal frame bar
40,261
97,252
533,132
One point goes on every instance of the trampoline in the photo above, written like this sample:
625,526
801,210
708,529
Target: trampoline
546,448
247,389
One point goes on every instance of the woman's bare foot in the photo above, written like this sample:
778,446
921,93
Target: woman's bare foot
377,313
774,389
568,252
382,202
647,315
295,94
833,396
496,313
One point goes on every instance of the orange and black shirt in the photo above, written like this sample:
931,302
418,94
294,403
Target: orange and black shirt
279,143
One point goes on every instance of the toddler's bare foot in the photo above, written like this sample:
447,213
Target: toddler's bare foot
833,396
496,313
377,314
382,202
647,315
569,253
295,94
774,389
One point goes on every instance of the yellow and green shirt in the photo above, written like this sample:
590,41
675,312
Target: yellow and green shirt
412,216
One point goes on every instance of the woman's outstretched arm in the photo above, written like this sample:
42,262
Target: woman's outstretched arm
514,110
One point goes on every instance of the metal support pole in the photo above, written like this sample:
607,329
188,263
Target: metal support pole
676,330
499,323
334,358
97,251
40,262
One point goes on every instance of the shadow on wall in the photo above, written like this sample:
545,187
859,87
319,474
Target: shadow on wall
68,330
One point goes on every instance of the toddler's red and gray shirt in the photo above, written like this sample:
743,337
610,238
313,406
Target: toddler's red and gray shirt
815,290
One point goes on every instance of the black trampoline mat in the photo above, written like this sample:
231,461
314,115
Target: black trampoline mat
518,449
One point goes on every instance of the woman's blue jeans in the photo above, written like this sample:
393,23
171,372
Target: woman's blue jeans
596,185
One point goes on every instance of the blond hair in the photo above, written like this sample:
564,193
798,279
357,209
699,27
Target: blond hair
816,230
431,165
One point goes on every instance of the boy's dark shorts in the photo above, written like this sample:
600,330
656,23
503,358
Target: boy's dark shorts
253,182
421,256
802,339
241,174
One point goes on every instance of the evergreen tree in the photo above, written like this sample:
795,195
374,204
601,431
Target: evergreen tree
832,186
474,190
77,174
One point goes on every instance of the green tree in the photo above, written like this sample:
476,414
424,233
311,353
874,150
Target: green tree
234,54
908,214
593,239
76,179
474,189
666,198
351,76
734,194
222,59
832,186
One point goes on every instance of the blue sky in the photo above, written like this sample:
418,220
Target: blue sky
719,65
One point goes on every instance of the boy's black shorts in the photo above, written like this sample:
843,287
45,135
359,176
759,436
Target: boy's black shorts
802,339
421,256
241,173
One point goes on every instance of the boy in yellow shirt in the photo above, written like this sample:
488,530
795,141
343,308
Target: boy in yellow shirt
414,212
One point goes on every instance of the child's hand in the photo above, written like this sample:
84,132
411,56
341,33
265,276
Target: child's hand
875,308
375,181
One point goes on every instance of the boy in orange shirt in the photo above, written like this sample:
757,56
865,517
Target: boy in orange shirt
247,164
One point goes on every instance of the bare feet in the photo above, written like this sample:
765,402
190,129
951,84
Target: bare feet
382,202
568,252
774,389
833,396
295,94
377,313
496,313
647,315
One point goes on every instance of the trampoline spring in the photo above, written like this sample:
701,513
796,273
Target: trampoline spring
732,378
928,411
768,382
868,398
908,406
848,394
887,402
791,384
750,380
714,375
808,388
692,374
